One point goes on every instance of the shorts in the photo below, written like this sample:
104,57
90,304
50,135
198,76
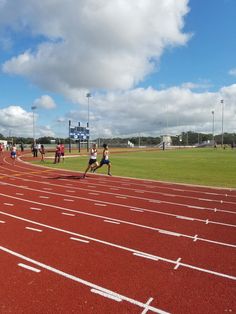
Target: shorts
13,154
104,162
92,161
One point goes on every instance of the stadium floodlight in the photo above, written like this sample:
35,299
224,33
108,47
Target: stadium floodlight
88,95
213,125
222,123
33,108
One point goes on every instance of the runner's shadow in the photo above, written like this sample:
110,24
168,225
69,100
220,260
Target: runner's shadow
66,178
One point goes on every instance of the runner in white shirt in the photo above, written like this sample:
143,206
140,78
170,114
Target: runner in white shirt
92,163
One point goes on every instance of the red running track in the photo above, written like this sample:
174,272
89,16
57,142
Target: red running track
113,245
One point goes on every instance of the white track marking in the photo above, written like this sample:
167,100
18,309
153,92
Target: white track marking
121,221
68,214
148,302
8,204
2,222
146,256
112,222
195,238
41,196
106,295
136,210
121,247
29,268
175,234
36,208
185,218
84,282
177,263
99,204
80,240
33,229
20,194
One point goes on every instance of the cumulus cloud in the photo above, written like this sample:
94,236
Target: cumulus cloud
93,44
45,102
152,112
232,72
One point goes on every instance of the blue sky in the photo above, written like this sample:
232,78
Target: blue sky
152,67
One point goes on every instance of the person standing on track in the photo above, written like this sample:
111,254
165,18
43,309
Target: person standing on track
13,154
42,152
1,152
105,160
92,163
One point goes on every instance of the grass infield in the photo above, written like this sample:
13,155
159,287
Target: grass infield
203,166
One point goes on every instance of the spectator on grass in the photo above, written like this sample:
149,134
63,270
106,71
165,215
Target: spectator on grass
34,149
57,154
1,151
62,150
42,152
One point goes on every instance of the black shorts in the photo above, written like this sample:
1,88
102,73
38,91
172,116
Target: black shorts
92,161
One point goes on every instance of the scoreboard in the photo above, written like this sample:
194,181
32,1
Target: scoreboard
79,133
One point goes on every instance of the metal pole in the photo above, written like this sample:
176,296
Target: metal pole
33,108
213,126
88,95
222,123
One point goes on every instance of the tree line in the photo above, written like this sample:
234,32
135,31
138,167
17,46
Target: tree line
183,139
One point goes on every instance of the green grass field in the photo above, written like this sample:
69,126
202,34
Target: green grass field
203,166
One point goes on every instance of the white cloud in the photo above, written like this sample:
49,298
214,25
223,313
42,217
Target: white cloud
232,72
45,102
93,44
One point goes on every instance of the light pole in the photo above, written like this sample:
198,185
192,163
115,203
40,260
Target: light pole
33,108
213,126
222,123
88,95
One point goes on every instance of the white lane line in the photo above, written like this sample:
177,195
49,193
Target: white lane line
154,258
129,249
147,303
36,270
185,218
68,214
8,204
136,210
2,222
69,191
99,204
68,200
85,282
139,191
41,196
106,295
119,220
33,229
170,233
123,197
177,263
80,240
195,238
20,194
154,201
112,222
35,208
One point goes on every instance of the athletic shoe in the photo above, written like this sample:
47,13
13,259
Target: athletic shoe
109,174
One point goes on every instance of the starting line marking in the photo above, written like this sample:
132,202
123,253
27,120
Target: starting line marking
35,208
146,256
112,222
67,214
80,240
33,229
106,295
36,270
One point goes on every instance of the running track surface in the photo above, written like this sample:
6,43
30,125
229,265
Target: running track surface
113,245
